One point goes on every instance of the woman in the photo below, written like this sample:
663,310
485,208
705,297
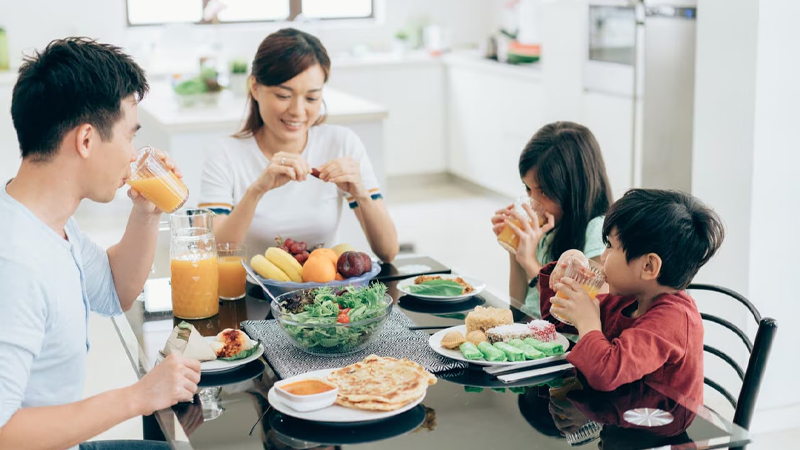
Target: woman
563,170
260,181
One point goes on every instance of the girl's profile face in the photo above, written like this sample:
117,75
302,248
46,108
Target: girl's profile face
535,192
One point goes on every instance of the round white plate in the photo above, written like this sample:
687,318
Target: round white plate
435,342
477,285
334,413
223,366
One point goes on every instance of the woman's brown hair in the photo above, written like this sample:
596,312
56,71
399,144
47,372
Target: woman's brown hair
282,56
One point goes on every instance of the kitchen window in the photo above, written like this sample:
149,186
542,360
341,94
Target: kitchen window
153,12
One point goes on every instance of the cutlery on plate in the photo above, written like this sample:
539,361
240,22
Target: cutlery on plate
494,370
255,277
533,373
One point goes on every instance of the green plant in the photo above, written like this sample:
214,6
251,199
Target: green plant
239,67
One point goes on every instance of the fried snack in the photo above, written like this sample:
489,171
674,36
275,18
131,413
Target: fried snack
467,287
484,318
452,340
476,337
380,384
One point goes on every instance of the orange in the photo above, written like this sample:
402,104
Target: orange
339,276
325,253
319,270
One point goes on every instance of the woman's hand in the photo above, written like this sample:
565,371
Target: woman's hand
345,172
283,168
144,205
529,233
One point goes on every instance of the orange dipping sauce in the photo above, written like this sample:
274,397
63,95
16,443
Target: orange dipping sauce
307,387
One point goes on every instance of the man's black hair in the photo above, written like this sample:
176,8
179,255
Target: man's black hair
71,82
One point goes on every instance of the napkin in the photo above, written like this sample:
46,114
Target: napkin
186,340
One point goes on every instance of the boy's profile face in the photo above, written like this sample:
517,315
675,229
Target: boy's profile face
623,277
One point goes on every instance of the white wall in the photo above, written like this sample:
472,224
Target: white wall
745,162
33,23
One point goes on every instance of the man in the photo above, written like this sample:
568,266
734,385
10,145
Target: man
74,110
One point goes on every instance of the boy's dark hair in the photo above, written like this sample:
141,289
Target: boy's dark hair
677,227
569,168
72,82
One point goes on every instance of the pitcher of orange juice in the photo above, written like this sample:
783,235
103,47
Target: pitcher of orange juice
193,265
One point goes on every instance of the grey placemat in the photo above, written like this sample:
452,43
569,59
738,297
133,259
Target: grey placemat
396,340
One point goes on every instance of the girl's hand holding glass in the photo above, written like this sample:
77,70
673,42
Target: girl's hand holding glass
528,232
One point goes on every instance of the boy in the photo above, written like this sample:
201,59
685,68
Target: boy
646,327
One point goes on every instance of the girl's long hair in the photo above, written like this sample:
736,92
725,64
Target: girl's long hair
569,169
282,56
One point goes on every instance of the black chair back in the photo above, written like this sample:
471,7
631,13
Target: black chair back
758,350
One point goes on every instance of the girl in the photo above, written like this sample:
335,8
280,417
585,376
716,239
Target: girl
563,170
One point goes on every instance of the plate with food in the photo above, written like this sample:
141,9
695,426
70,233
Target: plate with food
442,288
374,388
490,337
226,351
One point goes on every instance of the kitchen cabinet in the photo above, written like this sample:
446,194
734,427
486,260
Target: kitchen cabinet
412,90
492,110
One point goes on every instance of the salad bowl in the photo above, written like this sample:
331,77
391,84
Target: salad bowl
331,321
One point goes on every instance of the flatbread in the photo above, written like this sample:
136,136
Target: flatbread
380,383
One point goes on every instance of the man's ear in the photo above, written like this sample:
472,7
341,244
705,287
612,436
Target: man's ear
651,266
85,136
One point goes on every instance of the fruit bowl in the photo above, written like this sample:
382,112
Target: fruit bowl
277,288
330,338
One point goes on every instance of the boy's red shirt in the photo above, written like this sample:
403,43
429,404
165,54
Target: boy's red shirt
664,345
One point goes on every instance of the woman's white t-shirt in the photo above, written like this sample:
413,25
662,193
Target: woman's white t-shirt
307,211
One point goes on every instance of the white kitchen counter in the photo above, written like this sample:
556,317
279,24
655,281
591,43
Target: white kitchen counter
473,60
162,109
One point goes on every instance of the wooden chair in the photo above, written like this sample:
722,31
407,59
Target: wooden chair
759,350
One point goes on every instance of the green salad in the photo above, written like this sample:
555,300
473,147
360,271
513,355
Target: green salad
337,308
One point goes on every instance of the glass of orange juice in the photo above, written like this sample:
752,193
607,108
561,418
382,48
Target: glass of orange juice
588,273
156,182
194,266
232,276
507,238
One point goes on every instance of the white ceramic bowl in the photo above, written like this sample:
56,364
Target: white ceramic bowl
305,403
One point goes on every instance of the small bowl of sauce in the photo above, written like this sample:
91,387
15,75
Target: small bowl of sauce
307,395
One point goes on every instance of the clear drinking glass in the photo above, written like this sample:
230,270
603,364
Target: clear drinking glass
151,177
193,265
232,276
507,238
588,274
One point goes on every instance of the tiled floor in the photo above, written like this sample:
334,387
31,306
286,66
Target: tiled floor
441,217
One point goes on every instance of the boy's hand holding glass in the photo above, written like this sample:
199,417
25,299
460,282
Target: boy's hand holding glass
574,306
563,262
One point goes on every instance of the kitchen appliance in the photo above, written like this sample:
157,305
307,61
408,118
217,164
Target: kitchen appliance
644,50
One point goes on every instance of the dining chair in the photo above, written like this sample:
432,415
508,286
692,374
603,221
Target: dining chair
751,377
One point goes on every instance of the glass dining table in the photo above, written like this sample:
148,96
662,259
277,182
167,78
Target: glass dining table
467,408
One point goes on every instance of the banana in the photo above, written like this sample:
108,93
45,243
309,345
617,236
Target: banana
286,263
266,269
